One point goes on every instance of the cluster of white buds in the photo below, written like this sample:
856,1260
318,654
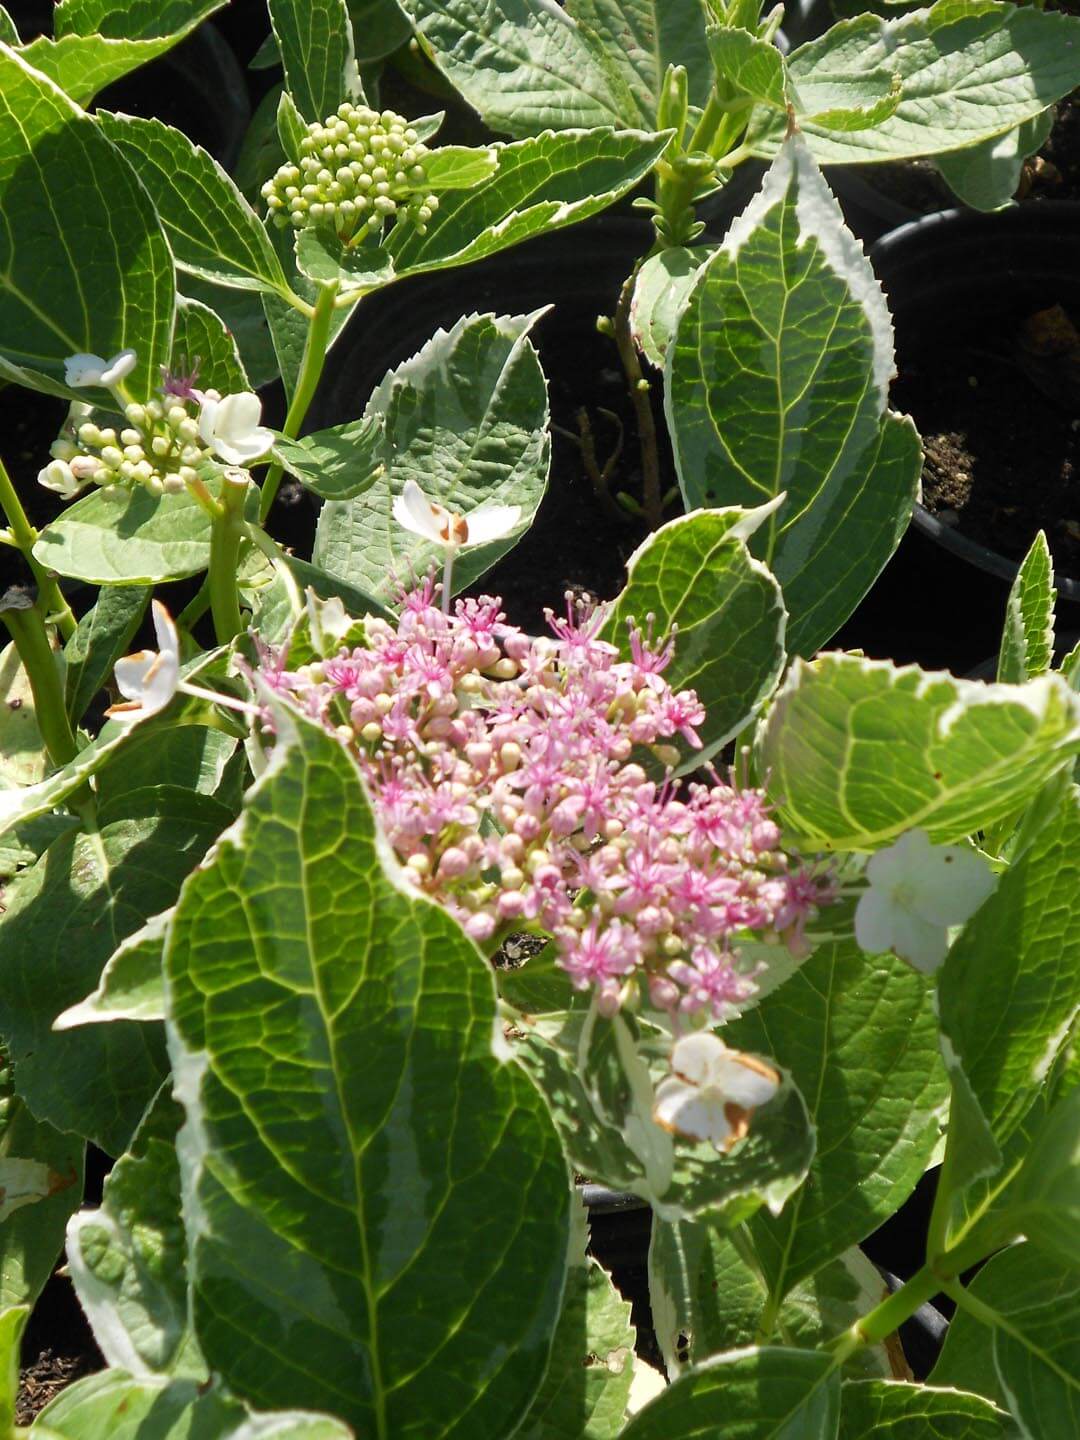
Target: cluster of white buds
158,448
159,445
357,169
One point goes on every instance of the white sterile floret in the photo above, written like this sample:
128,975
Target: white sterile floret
149,679
59,476
712,1091
230,427
81,370
916,891
414,511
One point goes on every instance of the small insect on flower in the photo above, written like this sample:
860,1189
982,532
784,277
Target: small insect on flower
82,370
916,891
413,511
712,1092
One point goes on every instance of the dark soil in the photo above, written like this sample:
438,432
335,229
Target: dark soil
1001,430
57,1348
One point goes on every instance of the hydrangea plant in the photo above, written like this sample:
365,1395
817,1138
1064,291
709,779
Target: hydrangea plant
803,924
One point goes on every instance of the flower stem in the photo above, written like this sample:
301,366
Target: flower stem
27,629
880,1322
311,368
225,535
641,396
24,537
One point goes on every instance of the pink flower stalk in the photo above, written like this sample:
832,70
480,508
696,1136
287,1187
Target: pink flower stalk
506,771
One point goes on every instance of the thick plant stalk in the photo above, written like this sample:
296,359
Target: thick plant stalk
23,537
641,396
311,368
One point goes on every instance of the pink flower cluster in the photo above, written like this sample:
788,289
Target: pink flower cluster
505,770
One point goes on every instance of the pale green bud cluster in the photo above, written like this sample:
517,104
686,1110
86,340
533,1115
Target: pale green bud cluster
159,448
357,170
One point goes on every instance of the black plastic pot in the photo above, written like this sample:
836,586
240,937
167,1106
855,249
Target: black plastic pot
946,273
620,1227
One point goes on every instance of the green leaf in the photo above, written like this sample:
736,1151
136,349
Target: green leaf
12,1323
697,574
753,67
243,315
290,127
133,538
542,184
202,344
526,68
132,985
65,916
23,805
1045,1201
322,257
879,1410
756,1394
316,45
1035,1302
339,463
189,756
8,33
1027,646
459,167
466,418
22,844
32,1238
379,28
279,599
859,1036
1009,990
777,384
213,231
23,757
961,754
599,1086
384,1025
52,303
707,1296
98,43
128,1257
584,1393
663,283
968,70
986,176
125,1407
641,38
104,634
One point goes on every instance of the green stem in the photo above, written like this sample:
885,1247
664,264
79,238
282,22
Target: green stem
196,607
879,1323
225,535
641,396
25,536
311,368
27,628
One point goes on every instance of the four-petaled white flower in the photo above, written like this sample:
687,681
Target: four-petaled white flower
414,511
230,427
149,679
82,370
916,891
58,476
713,1091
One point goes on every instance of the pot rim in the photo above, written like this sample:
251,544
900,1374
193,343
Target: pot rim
976,224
